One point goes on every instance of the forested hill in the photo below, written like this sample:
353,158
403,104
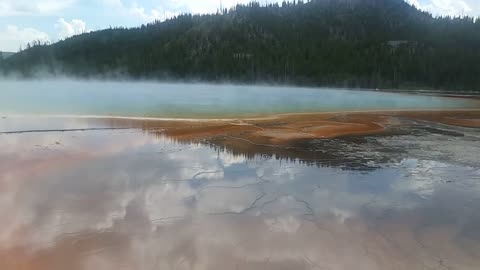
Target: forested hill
5,55
351,43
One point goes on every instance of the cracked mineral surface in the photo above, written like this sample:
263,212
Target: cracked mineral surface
404,193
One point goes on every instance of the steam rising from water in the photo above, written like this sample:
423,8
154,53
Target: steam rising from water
154,99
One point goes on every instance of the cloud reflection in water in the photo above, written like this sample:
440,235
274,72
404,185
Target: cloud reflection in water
129,200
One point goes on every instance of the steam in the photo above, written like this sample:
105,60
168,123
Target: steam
61,95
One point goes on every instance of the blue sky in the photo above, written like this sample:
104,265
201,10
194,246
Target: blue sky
22,21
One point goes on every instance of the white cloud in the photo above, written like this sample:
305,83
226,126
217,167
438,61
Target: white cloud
209,6
13,37
32,7
68,29
140,12
449,7
170,8
134,9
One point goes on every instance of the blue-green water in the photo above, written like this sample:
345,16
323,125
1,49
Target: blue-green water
149,99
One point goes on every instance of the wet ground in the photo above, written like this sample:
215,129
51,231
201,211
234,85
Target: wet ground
105,194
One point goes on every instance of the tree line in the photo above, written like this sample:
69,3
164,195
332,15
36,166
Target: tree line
346,43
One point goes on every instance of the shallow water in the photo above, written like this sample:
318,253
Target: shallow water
66,97
136,199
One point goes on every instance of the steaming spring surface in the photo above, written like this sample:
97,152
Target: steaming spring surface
67,97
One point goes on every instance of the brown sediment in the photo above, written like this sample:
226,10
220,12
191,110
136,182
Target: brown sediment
277,130
67,253
289,136
288,129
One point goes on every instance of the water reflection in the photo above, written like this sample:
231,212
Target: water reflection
126,199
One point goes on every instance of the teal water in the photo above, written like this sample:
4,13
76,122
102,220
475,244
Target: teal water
149,99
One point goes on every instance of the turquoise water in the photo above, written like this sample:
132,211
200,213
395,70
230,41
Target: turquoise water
149,99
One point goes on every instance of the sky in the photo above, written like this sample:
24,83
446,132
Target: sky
23,21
